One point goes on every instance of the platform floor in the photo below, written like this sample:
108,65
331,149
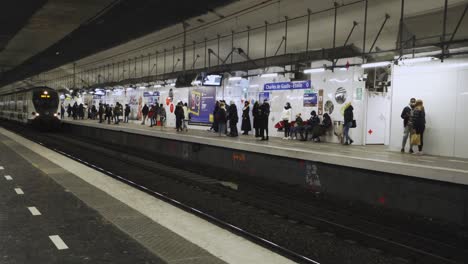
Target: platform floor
371,157
55,210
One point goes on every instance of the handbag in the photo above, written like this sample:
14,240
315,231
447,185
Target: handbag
416,139
354,125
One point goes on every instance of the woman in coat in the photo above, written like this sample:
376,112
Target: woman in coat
233,119
419,124
246,127
256,123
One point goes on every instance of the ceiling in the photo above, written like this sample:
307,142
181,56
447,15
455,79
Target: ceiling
44,34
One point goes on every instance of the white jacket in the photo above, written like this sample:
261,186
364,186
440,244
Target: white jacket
186,113
287,114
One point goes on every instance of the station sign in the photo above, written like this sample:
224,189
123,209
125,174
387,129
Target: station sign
287,86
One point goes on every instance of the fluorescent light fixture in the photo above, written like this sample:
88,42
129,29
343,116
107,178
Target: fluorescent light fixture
269,75
308,71
142,87
236,78
254,85
157,86
172,84
416,60
376,64
343,69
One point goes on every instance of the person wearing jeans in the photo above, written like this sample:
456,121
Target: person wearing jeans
406,115
348,123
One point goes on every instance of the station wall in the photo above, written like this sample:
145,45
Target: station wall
444,89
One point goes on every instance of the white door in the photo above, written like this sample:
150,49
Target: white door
377,116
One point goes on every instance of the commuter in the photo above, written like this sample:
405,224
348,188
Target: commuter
81,111
144,111
179,115
286,116
325,126
419,125
69,110
155,115
233,120
151,114
313,122
108,113
127,113
226,107
62,112
246,126
186,117
90,114
348,123
221,118
93,112
101,112
117,113
214,126
75,111
264,116
162,115
256,118
298,127
406,115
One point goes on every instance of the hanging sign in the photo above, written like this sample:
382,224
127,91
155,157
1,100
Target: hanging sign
287,86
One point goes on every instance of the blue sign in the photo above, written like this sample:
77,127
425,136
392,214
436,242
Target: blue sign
262,96
149,94
287,86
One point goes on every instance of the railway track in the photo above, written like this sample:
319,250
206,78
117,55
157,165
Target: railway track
285,222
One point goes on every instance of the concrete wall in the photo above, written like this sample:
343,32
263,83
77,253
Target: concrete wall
425,198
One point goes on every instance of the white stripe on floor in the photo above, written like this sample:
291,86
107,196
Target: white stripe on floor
58,242
34,211
19,191
461,161
8,178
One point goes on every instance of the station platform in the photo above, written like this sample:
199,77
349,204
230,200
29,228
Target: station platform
372,157
56,210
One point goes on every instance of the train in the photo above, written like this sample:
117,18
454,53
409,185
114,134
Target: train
37,106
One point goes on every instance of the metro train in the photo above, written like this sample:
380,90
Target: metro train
38,106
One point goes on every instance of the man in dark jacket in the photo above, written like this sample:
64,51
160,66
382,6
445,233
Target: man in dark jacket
101,112
144,111
313,122
127,113
263,118
179,115
233,119
348,123
406,115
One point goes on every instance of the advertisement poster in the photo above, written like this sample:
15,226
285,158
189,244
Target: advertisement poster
151,98
201,104
310,98
320,102
263,96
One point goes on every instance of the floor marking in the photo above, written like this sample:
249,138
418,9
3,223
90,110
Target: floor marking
58,242
425,160
8,178
34,211
460,161
19,191
1,168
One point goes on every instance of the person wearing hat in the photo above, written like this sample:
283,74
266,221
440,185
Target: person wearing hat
263,118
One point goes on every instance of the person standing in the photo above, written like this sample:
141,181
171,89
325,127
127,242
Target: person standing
348,123
246,126
62,112
101,112
162,115
179,115
286,116
256,118
69,110
214,125
127,113
144,111
93,112
419,124
233,120
264,116
406,115
186,117
221,118
151,114
108,113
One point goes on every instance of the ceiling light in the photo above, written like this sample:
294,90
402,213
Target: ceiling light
308,71
376,64
254,85
269,75
142,87
416,60
157,86
172,84
236,78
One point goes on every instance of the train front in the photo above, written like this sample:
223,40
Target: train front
45,112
